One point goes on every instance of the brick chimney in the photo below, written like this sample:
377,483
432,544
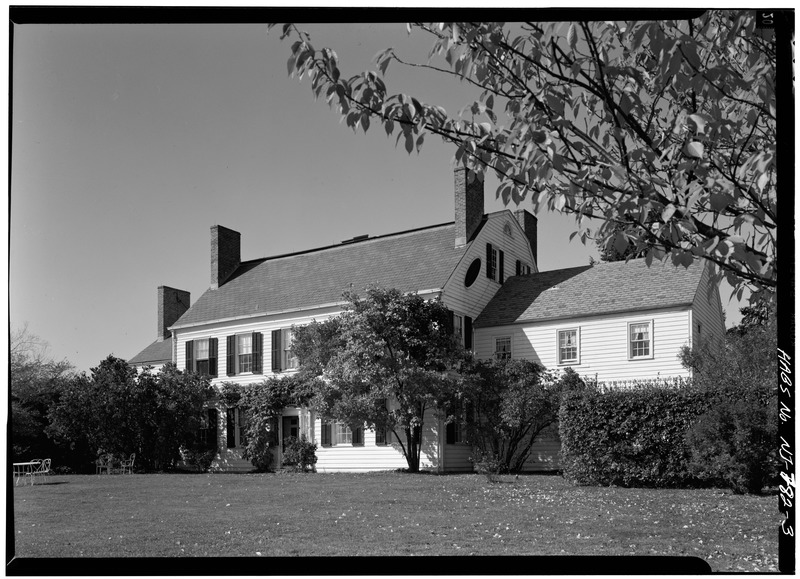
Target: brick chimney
469,205
225,254
528,222
172,303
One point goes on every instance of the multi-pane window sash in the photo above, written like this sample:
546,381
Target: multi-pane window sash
640,340
201,356
245,351
334,433
502,349
567,346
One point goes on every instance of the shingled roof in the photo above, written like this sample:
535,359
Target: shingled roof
419,259
604,288
159,352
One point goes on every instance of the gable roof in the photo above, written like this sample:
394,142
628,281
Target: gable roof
415,260
159,352
604,288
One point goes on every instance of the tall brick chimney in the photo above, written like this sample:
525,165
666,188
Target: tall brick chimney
469,205
225,254
529,225
172,303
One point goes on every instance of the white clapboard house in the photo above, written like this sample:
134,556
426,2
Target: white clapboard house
611,322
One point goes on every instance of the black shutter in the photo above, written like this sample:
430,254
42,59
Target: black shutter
450,324
326,433
519,268
231,427
276,350
489,261
450,437
212,357
500,266
212,428
190,356
257,349
231,371
358,436
467,333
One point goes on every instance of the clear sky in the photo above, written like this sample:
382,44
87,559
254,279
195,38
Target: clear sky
131,141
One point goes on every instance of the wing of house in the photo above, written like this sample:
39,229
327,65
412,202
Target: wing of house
612,321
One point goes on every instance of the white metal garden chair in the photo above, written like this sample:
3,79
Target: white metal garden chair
42,470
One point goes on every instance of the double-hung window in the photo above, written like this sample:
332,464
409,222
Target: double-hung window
522,268
502,348
568,347
244,353
339,433
494,263
282,356
640,340
201,356
244,350
455,429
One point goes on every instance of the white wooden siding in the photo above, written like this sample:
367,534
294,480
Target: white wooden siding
603,344
707,310
470,301
370,456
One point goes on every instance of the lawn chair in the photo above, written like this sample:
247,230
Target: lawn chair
127,465
42,470
103,464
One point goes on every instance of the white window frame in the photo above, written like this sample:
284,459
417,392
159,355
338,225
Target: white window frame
239,353
651,341
569,361
524,268
290,362
510,347
196,354
458,328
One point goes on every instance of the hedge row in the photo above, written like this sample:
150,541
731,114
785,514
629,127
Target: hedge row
630,437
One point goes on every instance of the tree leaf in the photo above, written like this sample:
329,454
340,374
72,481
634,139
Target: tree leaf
694,149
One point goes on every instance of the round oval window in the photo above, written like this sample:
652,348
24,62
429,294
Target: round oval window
472,272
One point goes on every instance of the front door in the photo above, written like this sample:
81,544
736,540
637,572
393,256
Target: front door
291,427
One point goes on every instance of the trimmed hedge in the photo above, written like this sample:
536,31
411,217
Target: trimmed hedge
632,437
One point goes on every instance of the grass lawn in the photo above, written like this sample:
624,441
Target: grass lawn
386,514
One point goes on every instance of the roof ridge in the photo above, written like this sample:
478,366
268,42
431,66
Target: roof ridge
342,245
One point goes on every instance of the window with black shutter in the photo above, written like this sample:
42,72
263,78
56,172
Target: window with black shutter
190,356
326,432
500,267
518,270
258,345
212,357
276,350
231,357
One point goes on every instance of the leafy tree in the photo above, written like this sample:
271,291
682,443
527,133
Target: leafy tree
736,441
609,252
35,381
385,346
119,411
512,403
663,132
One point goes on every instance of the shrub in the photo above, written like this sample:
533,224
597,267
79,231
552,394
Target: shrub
199,457
488,464
735,443
630,437
300,455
